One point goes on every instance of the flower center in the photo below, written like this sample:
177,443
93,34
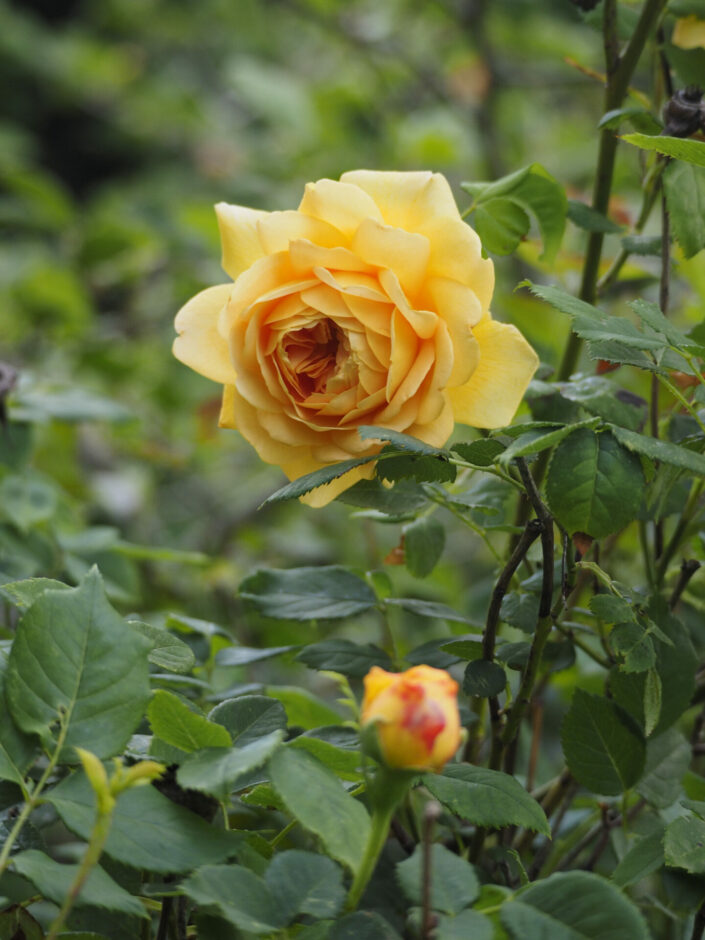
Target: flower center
316,359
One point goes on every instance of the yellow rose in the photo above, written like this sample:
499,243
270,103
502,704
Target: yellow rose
689,33
369,304
415,714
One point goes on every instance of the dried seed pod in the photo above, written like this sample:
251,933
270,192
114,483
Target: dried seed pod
684,113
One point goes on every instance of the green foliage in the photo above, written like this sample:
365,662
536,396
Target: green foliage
308,593
603,748
454,885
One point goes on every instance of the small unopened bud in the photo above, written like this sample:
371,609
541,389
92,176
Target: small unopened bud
98,779
684,113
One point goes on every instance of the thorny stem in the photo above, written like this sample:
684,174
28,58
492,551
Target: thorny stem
34,798
688,568
664,296
689,512
699,923
619,72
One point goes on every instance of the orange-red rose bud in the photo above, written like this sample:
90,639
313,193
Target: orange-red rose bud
415,714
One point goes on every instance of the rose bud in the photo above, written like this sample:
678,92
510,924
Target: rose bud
415,716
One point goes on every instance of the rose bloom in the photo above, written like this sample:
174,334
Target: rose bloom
415,714
689,33
369,304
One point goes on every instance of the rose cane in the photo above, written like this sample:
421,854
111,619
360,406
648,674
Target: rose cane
410,723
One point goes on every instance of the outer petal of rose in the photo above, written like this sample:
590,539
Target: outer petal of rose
456,253
689,33
199,344
406,253
341,204
277,229
326,494
239,238
376,681
406,199
492,395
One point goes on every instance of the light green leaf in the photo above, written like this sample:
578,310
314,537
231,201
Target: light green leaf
53,881
603,748
594,485
176,724
27,499
303,708
315,796
632,642
692,151
486,797
501,224
148,830
465,925
482,453
17,750
24,593
362,925
454,884
684,186
320,593
573,906
74,654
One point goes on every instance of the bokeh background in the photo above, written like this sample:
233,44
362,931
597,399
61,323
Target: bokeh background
121,123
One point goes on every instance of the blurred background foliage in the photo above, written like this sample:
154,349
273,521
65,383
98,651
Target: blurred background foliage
121,123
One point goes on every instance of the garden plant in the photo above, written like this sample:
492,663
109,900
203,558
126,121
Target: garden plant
447,679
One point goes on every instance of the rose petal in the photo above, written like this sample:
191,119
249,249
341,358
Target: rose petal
277,229
199,344
239,238
305,257
422,322
406,253
456,253
341,204
492,395
406,200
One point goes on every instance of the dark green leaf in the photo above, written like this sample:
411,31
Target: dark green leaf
401,499
481,453
520,610
24,593
589,219
573,906
594,485
400,442
667,760
424,541
302,707
322,593
362,925
17,750
684,844
216,769
305,883
314,796
631,642
422,468
148,830
644,857
53,881
653,700
249,717
73,653
465,925
243,655
238,895
430,609
484,679
602,747
311,481
612,609
642,244
486,797
454,884
344,656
